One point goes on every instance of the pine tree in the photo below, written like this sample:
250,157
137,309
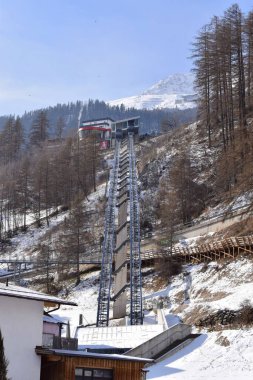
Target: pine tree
39,129
3,360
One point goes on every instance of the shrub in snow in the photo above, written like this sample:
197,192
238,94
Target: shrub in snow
246,313
167,267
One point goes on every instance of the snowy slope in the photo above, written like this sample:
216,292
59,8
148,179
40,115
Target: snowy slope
176,91
226,354
223,355
201,289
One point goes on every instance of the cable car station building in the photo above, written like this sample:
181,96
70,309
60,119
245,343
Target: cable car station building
107,130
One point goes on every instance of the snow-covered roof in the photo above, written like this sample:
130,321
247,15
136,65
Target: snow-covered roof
49,319
117,336
85,354
20,292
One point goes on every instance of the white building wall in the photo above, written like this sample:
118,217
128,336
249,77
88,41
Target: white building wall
21,323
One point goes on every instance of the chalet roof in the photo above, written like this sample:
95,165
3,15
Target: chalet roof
98,120
84,354
29,294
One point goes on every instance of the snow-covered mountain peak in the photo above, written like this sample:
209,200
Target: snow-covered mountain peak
173,84
176,91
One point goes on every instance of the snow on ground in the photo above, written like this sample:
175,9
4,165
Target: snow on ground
85,295
201,289
23,243
220,355
198,291
94,197
8,223
239,204
224,355
190,242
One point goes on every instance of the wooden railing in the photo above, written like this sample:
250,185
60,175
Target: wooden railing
225,248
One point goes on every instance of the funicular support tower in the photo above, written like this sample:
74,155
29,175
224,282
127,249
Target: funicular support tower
108,245
122,238
136,317
126,253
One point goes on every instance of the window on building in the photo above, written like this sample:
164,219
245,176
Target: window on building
93,374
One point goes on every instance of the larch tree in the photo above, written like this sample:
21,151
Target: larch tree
248,31
201,52
23,180
72,242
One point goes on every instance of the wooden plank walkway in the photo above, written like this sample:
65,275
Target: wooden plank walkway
225,248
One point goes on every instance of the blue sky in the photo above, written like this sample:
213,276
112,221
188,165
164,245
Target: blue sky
55,51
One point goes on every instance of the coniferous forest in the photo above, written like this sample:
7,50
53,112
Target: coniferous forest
72,113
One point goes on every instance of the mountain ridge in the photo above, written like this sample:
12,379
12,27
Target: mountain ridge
175,91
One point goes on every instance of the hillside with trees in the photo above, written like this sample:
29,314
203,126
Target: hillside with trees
45,177
207,164
64,118
223,58
190,168
43,165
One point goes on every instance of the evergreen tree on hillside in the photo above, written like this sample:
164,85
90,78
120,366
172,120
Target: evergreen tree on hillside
72,113
60,127
11,140
6,141
3,360
39,129
18,137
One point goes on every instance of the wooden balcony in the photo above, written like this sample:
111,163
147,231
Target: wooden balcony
52,341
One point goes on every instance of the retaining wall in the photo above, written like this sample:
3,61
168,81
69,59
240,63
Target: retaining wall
160,342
